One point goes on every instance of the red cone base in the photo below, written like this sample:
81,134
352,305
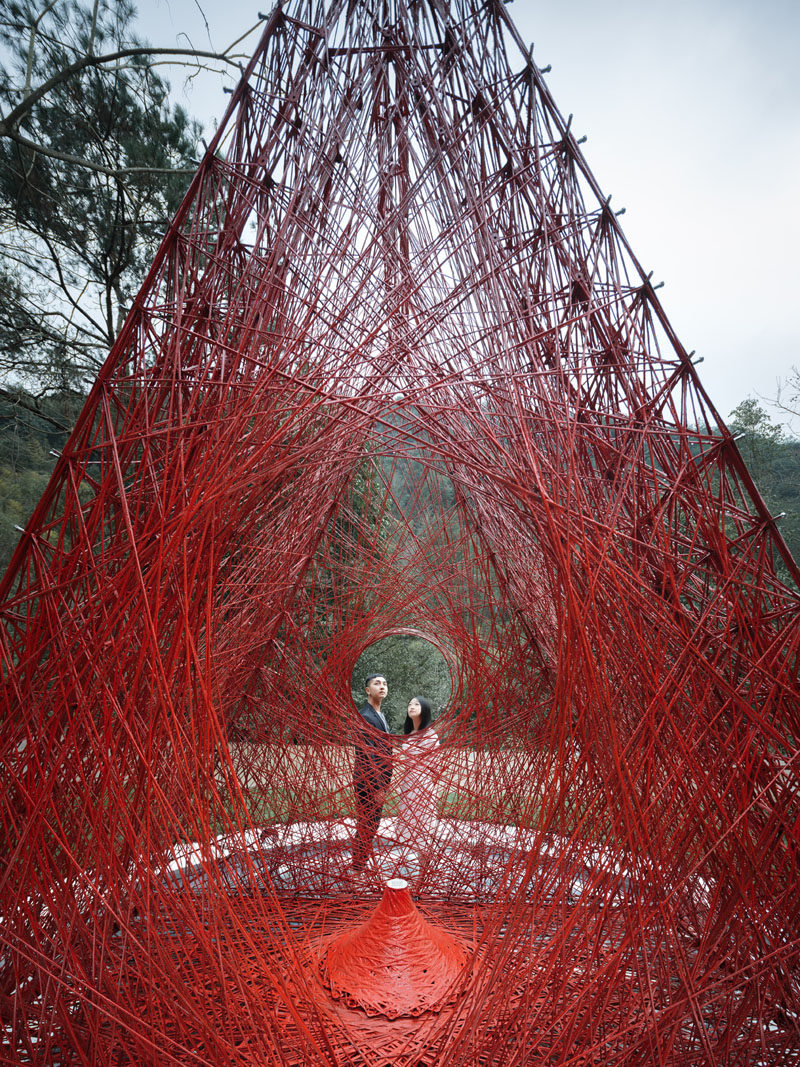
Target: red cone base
396,963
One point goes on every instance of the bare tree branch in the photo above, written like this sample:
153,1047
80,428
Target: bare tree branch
789,403
21,400
65,157
31,43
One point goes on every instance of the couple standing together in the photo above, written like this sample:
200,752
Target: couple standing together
372,772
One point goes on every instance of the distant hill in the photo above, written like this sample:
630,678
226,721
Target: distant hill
34,430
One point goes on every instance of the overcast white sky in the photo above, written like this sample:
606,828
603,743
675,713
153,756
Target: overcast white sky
692,113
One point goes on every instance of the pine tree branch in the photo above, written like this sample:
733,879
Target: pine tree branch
9,124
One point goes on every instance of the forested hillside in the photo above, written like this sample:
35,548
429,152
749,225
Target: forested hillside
33,431
773,459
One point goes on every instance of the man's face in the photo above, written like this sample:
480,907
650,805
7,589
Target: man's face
377,689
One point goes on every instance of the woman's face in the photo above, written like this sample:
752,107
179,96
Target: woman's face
414,712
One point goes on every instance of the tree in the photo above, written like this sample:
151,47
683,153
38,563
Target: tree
788,398
94,161
760,438
773,459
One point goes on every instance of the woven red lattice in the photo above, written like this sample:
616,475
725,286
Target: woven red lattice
395,271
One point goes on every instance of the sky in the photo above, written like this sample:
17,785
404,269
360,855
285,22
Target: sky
691,109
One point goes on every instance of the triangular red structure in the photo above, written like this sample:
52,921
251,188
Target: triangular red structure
396,369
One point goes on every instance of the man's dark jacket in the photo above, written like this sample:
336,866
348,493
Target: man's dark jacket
373,762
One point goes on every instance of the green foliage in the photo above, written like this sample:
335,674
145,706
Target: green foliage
80,235
412,667
31,432
773,460
80,225
761,438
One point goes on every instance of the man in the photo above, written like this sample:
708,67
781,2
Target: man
372,770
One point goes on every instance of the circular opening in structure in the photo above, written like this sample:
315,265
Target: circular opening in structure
412,666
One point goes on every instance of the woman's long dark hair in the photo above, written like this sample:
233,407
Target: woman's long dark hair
424,719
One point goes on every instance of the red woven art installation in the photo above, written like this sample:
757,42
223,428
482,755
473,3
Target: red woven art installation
395,370
396,964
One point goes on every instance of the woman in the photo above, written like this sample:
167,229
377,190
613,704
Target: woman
416,818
